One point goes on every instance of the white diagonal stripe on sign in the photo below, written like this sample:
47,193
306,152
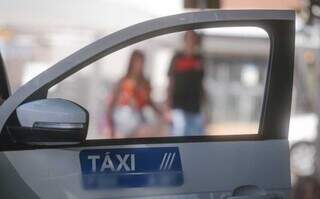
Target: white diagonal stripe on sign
167,161
172,158
162,162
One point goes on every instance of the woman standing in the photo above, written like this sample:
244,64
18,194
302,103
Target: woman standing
130,96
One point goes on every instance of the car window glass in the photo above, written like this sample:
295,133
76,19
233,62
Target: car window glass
203,82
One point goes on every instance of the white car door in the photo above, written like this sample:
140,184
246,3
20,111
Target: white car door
62,164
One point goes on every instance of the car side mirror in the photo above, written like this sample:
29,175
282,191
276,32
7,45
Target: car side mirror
50,121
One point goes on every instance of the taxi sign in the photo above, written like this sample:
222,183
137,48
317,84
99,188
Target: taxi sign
131,167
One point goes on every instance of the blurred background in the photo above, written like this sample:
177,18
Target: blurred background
35,34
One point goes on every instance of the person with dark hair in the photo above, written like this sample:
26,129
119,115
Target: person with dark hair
130,96
185,91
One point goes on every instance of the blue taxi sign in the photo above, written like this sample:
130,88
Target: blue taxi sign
131,167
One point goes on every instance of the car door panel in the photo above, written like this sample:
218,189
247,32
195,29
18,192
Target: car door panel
210,167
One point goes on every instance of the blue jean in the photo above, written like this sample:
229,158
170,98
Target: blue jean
186,123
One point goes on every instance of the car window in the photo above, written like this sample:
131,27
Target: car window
203,82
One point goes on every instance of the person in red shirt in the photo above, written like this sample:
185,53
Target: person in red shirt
131,94
185,92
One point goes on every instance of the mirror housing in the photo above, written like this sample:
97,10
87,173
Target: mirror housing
50,122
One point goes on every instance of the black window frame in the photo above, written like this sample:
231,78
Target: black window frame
4,84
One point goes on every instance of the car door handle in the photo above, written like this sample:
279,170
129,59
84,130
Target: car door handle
253,192
247,197
268,196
